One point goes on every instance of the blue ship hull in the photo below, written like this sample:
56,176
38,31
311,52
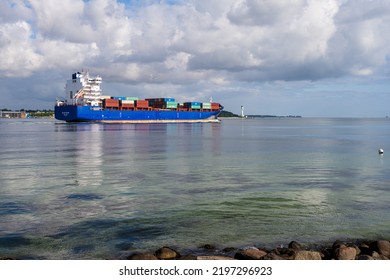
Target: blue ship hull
72,113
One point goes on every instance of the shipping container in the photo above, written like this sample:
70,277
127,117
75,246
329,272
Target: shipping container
127,101
215,106
192,105
119,97
126,106
132,98
141,104
160,103
110,103
161,99
206,105
170,105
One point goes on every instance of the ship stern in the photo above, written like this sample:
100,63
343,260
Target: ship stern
66,113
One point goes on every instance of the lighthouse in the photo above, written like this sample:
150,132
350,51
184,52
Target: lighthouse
242,112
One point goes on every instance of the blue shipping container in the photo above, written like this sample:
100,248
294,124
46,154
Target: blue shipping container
119,97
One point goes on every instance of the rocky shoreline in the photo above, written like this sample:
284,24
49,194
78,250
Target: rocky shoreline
339,250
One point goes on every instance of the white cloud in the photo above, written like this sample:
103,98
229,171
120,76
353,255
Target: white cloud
18,56
178,61
262,40
252,12
14,10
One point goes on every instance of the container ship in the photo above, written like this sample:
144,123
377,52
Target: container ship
84,102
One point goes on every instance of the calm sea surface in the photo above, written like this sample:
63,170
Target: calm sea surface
92,191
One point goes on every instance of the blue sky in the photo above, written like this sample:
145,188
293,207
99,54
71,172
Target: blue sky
315,58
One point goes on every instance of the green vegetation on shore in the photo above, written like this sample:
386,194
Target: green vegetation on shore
40,113
32,113
227,114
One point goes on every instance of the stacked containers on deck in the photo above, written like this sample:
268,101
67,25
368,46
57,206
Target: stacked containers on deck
128,103
119,97
170,105
123,102
215,106
162,103
110,103
206,106
141,104
192,105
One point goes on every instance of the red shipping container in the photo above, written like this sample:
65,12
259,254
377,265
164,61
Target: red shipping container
111,103
141,103
215,106
127,106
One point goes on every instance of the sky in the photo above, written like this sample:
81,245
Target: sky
314,58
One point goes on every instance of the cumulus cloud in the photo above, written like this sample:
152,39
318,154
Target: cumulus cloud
18,53
188,42
263,40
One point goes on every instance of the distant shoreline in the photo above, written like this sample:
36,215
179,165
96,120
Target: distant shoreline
259,117
272,116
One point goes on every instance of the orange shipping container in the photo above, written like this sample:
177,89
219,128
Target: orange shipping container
127,106
111,102
215,106
141,103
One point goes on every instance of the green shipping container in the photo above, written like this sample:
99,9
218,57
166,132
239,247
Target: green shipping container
206,105
132,98
171,104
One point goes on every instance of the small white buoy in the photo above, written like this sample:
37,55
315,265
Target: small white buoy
380,151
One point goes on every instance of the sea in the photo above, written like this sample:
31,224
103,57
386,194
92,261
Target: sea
102,191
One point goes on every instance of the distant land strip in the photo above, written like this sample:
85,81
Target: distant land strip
271,116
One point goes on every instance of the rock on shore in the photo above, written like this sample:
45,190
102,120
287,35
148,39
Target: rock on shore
339,250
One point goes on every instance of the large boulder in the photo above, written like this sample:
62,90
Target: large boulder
377,256
251,253
383,248
307,255
345,253
273,256
295,246
166,253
